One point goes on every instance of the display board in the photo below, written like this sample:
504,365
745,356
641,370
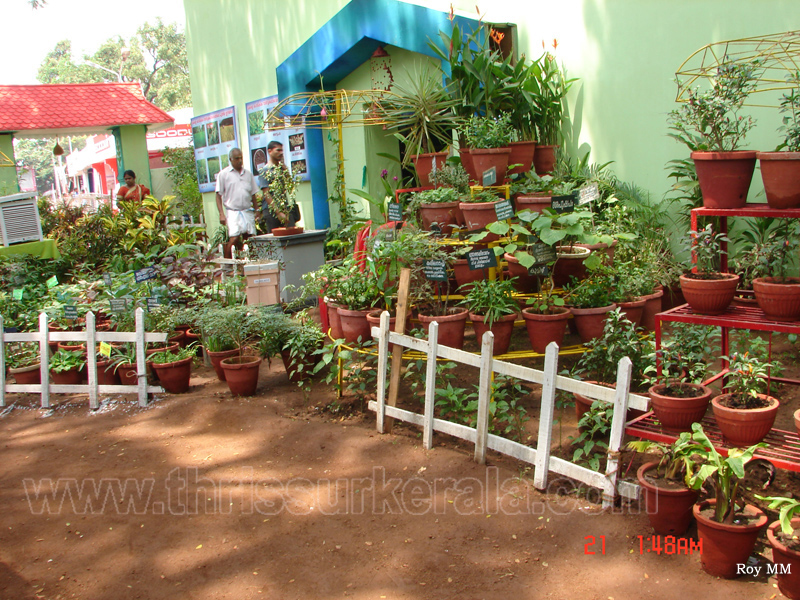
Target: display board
214,135
295,152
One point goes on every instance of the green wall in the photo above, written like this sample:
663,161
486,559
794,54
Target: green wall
624,52
133,145
8,174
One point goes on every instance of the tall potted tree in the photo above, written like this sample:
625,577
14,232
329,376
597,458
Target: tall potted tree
711,125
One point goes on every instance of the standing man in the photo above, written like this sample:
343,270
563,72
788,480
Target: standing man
236,201
268,218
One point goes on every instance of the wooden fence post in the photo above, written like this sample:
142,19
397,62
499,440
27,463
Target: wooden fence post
542,461
484,397
397,351
430,385
2,364
383,362
624,370
141,363
44,353
91,360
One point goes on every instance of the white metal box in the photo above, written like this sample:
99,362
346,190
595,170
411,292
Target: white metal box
19,219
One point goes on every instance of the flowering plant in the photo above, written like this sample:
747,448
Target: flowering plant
746,379
707,248
282,188
710,120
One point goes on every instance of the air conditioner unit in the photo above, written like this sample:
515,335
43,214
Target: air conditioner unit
19,219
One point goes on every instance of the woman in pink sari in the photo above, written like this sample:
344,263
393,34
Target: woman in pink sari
131,192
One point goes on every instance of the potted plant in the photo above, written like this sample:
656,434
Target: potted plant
243,324
66,366
174,368
546,314
780,170
708,291
784,542
745,414
492,307
590,302
123,358
778,295
668,500
488,140
532,192
421,115
282,191
709,123
23,362
357,294
304,337
479,211
438,209
549,95
726,525
217,342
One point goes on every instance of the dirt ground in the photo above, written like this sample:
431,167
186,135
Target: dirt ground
202,495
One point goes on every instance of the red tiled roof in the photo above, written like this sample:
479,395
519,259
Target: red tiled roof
79,107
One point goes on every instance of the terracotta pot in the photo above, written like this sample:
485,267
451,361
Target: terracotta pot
106,374
710,296
445,215
501,328
477,215
779,299
591,321
724,177
605,251
284,231
532,202
788,559
780,172
652,307
678,414
726,546
27,375
569,264
355,326
669,510
179,338
72,347
127,374
584,403
217,357
543,329
241,374
174,376
296,374
168,347
333,320
423,164
71,377
465,276
523,282
466,162
671,297
544,159
633,310
194,338
521,154
451,326
484,159
743,427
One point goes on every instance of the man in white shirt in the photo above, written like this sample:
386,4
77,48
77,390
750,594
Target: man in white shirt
236,201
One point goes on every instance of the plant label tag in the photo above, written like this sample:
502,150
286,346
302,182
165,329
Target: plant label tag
17,293
588,193
395,212
435,270
52,282
145,274
543,254
481,259
503,210
435,229
71,312
152,303
105,349
107,279
562,204
10,329
539,271
118,305
489,177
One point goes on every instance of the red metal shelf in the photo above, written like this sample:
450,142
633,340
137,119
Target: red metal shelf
749,210
736,317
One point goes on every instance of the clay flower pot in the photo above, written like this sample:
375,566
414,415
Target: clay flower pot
334,322
569,264
106,374
744,427
710,296
678,413
465,276
544,159
591,321
127,374
726,546
521,154
216,359
543,329
652,307
241,374
27,375
423,164
446,215
484,159
70,377
451,326
668,505
355,327
532,202
502,329
477,215
174,376
284,231
523,281
724,177
780,172
778,298
633,310
788,559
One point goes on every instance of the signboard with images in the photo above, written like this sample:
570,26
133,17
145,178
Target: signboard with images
214,135
295,151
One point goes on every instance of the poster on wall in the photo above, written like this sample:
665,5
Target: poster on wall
295,154
214,135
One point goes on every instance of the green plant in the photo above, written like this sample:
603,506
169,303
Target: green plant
22,354
789,509
724,473
228,327
282,189
162,358
304,337
745,379
706,246
434,196
593,292
595,429
66,360
451,176
675,461
684,356
710,120
790,108
488,132
491,299
123,355
183,174
549,94
508,416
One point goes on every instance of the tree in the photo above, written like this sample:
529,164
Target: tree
183,174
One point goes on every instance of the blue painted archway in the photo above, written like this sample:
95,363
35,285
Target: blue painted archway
339,47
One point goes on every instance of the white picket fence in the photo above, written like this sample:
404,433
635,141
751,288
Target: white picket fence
540,456
91,337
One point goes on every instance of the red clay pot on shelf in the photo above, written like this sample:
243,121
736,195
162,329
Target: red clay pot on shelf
523,282
569,264
466,276
446,215
423,163
543,329
544,159
779,299
451,326
743,427
502,329
591,321
678,414
669,510
633,310
780,172
710,296
477,215
521,154
725,546
484,159
652,307
724,177
532,202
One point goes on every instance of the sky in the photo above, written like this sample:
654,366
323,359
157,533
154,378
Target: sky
87,23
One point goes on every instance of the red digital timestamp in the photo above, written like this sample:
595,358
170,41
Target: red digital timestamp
654,544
